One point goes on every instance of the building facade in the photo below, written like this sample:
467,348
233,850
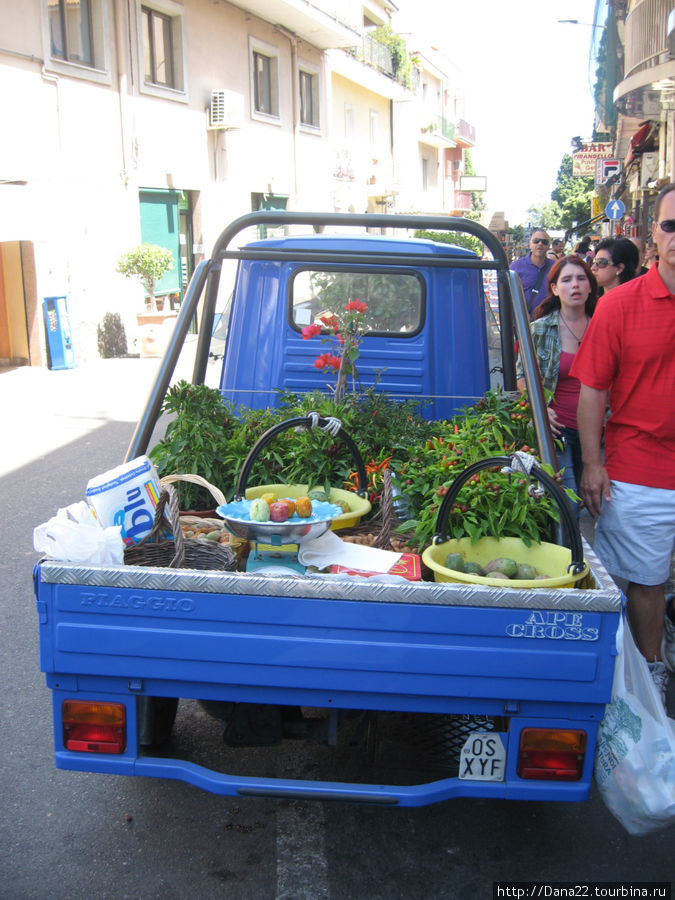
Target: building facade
634,57
157,121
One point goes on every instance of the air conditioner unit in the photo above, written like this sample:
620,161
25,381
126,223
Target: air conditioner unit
226,110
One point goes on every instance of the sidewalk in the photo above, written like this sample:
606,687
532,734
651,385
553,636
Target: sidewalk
43,410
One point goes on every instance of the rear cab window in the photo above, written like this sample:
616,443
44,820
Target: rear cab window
394,299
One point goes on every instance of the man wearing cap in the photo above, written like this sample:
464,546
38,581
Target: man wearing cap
533,269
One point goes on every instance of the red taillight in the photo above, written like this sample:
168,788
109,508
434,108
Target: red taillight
93,727
551,754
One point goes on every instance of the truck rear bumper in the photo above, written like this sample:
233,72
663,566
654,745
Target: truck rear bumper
300,789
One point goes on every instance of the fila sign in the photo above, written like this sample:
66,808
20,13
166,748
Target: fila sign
605,168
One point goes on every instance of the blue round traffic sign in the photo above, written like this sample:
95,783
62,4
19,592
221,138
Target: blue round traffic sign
615,209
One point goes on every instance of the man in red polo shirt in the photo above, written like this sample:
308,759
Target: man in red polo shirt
628,357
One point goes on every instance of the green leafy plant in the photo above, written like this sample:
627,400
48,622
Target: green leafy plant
492,503
148,263
208,437
203,424
111,337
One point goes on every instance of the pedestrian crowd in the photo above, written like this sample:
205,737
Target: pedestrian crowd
603,329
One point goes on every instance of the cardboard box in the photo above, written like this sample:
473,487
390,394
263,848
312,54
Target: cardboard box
408,566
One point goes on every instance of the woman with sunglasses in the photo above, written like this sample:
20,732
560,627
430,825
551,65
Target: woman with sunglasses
559,325
616,261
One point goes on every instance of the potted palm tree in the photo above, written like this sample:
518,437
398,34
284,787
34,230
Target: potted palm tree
148,263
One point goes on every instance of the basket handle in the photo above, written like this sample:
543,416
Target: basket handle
215,492
307,422
566,513
167,498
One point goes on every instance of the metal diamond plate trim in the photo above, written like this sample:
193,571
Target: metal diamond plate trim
603,596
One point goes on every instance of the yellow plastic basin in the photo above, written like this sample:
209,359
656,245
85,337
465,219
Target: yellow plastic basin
548,559
358,506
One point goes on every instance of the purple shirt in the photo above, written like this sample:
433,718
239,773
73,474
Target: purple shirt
528,274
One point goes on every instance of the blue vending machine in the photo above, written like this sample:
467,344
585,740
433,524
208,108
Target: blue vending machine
59,338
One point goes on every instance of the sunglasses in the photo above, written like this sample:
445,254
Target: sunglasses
602,263
545,240
668,225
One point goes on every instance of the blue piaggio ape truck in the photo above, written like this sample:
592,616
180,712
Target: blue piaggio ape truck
414,692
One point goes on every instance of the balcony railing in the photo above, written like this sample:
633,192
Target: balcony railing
465,132
463,200
440,127
645,36
377,55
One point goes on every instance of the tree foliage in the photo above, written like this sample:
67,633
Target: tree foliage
573,195
148,263
547,215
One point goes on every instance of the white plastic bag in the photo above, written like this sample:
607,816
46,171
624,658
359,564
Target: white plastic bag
74,534
635,756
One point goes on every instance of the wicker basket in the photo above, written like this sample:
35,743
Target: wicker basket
177,553
378,531
205,519
215,492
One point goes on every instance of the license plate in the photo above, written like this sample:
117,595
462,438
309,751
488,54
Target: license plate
483,757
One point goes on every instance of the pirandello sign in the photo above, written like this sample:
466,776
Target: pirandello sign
585,159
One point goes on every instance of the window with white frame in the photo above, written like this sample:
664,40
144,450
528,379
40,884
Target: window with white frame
161,31
264,65
309,97
76,38
157,48
70,31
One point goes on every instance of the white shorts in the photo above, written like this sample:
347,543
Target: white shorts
635,535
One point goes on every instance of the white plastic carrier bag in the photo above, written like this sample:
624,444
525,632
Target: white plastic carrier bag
635,756
74,534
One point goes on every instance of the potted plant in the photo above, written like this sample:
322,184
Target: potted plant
148,263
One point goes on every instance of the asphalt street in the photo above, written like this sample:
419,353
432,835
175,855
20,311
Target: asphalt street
65,834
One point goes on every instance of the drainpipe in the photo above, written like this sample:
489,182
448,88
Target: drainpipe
293,41
54,79
121,88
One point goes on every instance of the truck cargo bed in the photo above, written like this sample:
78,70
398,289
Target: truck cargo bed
513,657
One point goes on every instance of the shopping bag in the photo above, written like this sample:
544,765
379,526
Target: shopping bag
635,756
